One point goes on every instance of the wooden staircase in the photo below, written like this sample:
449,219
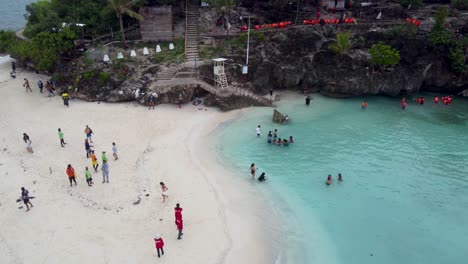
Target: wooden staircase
192,33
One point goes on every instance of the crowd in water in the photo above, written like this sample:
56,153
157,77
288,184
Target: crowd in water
446,100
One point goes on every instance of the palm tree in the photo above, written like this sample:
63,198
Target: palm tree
121,8
343,43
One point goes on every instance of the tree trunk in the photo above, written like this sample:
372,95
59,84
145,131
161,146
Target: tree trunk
122,30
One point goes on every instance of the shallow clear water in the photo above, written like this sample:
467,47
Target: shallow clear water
404,198
12,14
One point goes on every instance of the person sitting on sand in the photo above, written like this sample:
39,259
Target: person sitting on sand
340,178
262,177
253,170
329,180
164,191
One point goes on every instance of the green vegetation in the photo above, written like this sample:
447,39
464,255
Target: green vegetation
224,6
7,40
405,31
342,44
171,56
384,55
101,77
121,8
460,4
413,3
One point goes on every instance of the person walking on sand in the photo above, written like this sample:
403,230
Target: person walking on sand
104,157
114,151
71,174
89,133
29,146
178,211
180,226
105,172
257,130
25,198
94,161
40,85
87,148
62,141
159,244
88,177
25,138
151,101
164,191
26,85
65,98
253,170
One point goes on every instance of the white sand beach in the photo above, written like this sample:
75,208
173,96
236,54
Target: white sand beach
101,224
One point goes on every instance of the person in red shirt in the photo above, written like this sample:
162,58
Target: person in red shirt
436,100
159,244
178,212
71,174
364,105
180,226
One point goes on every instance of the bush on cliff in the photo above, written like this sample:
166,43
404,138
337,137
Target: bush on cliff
7,40
343,43
384,55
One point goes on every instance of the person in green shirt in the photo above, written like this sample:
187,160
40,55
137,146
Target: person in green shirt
89,179
104,157
62,141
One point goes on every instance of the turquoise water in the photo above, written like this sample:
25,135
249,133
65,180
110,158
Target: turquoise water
404,198
12,14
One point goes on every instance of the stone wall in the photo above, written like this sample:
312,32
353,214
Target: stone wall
158,23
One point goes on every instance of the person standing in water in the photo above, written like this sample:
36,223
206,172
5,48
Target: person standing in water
291,140
89,133
94,161
269,137
105,172
25,198
364,105
307,100
257,130
71,174
114,151
26,85
88,177
164,191
60,135
253,170
275,135
329,180
340,178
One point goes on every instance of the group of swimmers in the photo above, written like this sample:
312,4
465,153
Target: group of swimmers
272,138
446,100
330,179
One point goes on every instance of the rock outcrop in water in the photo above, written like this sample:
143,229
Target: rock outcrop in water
279,117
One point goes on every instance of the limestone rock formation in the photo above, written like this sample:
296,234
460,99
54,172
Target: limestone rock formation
279,117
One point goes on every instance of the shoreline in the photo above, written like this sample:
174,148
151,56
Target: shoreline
100,224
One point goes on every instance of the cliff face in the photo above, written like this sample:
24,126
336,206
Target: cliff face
298,58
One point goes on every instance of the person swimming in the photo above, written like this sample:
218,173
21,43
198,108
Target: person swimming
285,142
291,140
279,142
329,180
364,105
436,99
340,178
269,137
262,177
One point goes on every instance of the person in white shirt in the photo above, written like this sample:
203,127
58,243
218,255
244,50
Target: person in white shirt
258,130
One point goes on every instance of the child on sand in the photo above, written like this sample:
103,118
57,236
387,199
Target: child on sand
88,177
164,191
62,141
114,151
25,198
159,244
94,161
71,174
26,85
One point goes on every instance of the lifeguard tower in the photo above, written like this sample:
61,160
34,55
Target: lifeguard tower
220,77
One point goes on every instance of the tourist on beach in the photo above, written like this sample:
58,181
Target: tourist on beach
253,170
104,157
262,177
340,178
50,89
307,100
94,161
329,180
29,146
65,98
178,211
60,135
159,244
26,85
89,133
269,137
285,142
364,105
279,142
25,138
114,151
258,130
291,140
105,172
180,226
436,99
271,94
151,101
13,75
71,174
275,135
180,101
13,66
88,177
87,148
40,85
164,191
25,198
